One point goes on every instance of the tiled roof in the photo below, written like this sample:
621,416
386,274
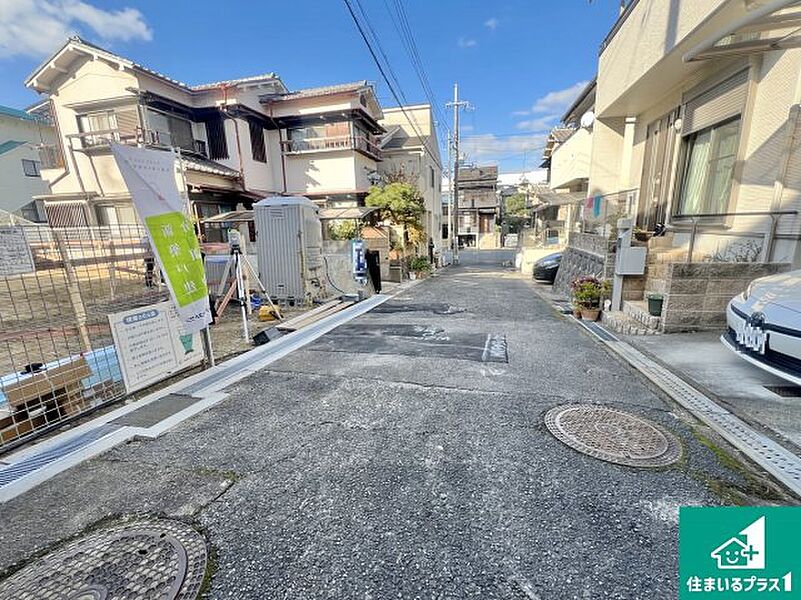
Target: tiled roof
162,76
241,80
194,163
560,134
9,145
325,90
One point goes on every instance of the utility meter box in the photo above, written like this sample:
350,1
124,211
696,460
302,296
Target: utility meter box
628,260
289,247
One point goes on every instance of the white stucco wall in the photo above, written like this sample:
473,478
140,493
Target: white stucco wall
571,160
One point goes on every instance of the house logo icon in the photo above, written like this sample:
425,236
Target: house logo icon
746,550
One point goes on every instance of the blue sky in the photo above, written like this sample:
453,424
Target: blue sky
519,62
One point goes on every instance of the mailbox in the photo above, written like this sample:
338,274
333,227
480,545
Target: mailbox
628,260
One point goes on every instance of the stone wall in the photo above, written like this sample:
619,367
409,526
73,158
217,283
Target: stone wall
696,294
586,254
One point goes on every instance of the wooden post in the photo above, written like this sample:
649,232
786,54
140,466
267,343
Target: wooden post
73,291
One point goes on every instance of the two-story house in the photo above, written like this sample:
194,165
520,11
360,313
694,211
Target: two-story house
21,134
410,146
479,208
239,140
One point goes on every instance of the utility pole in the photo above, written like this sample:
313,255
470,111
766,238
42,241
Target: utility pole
456,105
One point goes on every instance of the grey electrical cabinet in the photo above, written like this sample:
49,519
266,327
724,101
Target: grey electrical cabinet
289,247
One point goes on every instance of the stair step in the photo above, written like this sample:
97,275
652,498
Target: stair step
622,323
638,310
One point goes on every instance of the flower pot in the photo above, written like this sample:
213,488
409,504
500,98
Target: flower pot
577,312
655,305
412,275
590,314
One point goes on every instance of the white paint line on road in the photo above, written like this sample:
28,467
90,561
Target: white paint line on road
777,460
207,386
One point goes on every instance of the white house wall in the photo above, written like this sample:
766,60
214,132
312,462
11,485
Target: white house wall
570,161
17,189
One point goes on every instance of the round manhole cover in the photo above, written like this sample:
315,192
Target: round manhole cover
613,435
140,560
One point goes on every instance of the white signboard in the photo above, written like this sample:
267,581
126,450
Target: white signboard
150,177
15,253
151,346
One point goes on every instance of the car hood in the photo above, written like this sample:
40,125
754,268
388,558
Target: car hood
781,290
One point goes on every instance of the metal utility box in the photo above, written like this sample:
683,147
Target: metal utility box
289,247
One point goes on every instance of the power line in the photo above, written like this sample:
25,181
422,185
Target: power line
387,81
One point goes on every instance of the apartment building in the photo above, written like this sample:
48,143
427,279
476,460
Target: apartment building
21,134
239,140
410,146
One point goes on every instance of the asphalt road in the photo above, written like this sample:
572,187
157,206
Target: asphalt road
403,457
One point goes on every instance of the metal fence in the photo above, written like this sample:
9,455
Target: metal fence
57,356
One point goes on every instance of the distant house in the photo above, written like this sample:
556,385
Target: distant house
479,208
21,134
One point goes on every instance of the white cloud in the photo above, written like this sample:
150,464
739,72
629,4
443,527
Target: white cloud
467,42
36,28
488,146
538,123
492,23
555,102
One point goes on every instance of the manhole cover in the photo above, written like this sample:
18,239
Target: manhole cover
139,560
613,435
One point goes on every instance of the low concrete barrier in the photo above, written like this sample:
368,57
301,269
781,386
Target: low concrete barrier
471,257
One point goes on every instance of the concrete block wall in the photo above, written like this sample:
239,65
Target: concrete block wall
586,254
696,294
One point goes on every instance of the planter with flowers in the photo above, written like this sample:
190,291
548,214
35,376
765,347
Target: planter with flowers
419,267
588,292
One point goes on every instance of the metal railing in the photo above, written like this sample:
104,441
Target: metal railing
769,236
137,136
341,142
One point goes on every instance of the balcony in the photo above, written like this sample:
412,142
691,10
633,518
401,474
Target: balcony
359,143
93,140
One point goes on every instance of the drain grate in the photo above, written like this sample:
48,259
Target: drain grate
613,435
785,391
143,559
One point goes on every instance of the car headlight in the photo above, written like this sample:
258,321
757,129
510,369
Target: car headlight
748,291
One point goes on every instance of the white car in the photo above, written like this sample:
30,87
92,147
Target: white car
764,325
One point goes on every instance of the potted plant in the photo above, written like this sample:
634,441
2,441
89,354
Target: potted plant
587,295
419,267
655,304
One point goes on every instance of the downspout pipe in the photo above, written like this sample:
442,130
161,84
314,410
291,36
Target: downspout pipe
743,21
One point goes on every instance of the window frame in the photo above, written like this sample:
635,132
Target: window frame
683,163
37,169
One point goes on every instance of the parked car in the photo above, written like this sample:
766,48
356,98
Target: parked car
764,325
545,268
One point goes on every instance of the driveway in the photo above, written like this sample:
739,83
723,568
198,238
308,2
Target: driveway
404,456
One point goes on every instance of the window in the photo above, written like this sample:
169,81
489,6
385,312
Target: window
103,122
257,141
215,132
709,158
171,130
431,176
30,168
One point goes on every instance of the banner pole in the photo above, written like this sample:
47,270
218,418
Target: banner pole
205,333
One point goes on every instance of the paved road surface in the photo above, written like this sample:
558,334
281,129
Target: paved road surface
400,457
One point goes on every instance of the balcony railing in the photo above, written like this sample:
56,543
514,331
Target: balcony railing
359,143
139,136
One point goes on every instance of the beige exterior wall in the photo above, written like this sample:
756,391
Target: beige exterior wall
322,172
570,161
646,84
